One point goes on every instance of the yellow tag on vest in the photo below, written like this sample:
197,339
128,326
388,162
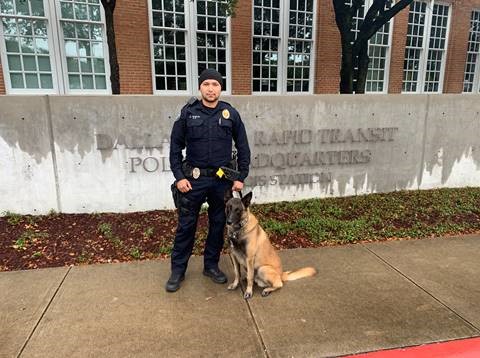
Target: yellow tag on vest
220,173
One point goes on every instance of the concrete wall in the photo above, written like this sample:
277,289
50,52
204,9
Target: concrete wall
110,153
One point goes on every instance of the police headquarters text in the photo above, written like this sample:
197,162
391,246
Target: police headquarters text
149,164
294,150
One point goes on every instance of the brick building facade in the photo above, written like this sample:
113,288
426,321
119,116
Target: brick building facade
270,46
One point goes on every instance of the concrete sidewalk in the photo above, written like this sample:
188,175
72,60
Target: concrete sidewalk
365,298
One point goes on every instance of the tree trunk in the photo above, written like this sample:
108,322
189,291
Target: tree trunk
363,60
346,71
109,7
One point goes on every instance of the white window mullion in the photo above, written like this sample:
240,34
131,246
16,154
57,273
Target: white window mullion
388,59
106,55
313,54
283,45
57,43
150,36
284,39
426,45
192,72
3,57
229,55
476,81
228,44
445,50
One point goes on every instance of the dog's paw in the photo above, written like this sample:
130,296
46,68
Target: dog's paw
248,294
233,286
265,293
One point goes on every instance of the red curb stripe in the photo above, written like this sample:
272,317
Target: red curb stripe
463,348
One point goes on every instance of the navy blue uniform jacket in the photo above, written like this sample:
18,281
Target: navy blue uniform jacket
207,134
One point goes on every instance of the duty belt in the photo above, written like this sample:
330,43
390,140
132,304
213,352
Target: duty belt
221,172
194,172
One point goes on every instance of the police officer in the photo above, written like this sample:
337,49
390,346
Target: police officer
206,129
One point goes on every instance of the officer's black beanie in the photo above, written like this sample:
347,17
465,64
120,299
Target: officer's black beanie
210,74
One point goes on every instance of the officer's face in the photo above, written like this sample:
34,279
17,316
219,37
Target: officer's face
210,90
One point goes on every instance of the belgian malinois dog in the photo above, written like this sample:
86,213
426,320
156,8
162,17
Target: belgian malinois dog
252,250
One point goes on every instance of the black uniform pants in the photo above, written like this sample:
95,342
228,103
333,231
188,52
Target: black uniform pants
211,190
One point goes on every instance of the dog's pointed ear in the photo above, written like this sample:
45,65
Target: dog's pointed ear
227,195
247,199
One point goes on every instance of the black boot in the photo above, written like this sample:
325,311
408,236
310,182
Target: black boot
216,275
173,283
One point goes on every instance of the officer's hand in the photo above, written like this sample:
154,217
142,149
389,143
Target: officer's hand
237,185
184,185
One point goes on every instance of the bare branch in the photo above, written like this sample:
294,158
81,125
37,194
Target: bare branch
372,14
374,22
397,8
383,18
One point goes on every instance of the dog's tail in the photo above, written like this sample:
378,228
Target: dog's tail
297,274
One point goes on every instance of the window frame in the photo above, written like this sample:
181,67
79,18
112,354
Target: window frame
191,48
283,52
476,74
57,55
53,64
63,56
422,70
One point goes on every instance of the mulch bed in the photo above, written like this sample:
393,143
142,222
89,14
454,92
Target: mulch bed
30,242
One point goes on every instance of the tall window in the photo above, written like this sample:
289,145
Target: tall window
378,50
188,37
426,47
43,53
27,59
82,31
283,46
472,67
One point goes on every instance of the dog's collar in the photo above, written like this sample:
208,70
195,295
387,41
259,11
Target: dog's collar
243,223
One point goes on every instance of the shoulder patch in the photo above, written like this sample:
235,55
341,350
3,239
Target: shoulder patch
192,100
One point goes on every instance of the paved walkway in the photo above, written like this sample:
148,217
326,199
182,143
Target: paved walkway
365,298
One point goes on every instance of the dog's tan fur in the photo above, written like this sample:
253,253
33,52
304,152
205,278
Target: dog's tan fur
253,251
